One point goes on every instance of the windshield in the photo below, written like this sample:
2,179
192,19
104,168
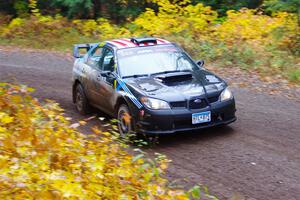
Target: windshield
153,59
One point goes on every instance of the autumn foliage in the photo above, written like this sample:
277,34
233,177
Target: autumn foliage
248,38
41,157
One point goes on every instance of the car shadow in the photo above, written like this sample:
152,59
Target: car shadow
192,137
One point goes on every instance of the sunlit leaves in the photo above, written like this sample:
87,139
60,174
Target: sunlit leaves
41,157
249,26
5,119
174,18
33,7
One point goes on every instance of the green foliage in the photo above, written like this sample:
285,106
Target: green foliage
22,8
129,9
292,6
295,75
222,6
123,10
76,8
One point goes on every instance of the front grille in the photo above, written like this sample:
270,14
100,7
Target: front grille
178,104
197,103
192,104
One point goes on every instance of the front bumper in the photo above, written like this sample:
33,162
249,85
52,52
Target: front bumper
179,120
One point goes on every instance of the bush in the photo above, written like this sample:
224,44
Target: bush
42,26
100,28
41,157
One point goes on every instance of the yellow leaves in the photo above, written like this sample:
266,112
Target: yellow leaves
2,129
82,123
41,157
250,26
3,161
164,166
47,195
33,7
106,133
100,28
15,23
175,18
87,27
5,118
68,189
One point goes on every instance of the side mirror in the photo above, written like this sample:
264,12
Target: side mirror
80,50
200,63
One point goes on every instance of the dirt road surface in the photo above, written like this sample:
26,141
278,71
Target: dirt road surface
257,157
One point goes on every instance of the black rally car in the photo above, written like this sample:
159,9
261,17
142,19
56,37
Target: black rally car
150,85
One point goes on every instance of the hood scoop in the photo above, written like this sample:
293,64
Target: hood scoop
174,77
148,85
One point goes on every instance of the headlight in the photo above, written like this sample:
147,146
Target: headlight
226,95
155,104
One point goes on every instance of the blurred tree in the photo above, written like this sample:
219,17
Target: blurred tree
222,6
7,7
124,10
116,10
75,8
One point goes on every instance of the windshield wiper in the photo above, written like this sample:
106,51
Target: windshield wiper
171,71
135,76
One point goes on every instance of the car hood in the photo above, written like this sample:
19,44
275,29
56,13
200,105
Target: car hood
180,89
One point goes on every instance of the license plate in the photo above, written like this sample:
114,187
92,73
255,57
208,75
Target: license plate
202,117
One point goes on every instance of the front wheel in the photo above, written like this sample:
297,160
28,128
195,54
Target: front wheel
81,101
124,120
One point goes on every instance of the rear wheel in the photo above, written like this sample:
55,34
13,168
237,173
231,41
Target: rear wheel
124,120
81,101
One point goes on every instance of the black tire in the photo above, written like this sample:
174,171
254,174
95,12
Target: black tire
125,125
81,102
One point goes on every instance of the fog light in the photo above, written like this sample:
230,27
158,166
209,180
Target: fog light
142,113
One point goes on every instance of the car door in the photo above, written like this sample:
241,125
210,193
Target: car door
105,80
91,70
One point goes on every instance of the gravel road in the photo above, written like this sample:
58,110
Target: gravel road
257,157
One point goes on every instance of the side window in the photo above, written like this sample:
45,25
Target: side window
108,61
95,56
97,52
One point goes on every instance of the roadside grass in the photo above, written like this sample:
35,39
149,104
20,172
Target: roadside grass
295,75
63,43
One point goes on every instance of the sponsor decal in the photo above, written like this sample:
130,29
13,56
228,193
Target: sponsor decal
121,85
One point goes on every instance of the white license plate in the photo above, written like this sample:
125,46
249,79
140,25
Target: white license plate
202,117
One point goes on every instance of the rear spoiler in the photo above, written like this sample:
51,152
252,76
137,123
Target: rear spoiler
77,50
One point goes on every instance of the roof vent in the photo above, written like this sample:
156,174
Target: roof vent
148,40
